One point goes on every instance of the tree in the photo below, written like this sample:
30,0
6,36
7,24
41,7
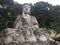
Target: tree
41,11
47,15
8,13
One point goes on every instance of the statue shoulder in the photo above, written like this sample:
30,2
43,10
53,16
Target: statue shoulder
18,16
33,17
34,20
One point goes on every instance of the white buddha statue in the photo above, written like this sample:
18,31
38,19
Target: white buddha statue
26,20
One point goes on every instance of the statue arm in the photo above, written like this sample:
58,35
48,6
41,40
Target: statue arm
35,23
16,22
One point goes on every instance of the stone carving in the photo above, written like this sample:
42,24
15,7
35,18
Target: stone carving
26,20
26,29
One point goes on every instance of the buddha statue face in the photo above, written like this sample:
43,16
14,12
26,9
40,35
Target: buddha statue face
26,8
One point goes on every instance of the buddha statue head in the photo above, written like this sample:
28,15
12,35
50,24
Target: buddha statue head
26,8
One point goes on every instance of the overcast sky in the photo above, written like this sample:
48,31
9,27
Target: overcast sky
54,2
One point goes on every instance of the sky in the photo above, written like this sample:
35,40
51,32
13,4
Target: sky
53,2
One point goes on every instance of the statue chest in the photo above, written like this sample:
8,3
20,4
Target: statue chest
26,20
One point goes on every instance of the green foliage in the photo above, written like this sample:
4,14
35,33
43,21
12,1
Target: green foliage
47,15
8,13
55,26
6,21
